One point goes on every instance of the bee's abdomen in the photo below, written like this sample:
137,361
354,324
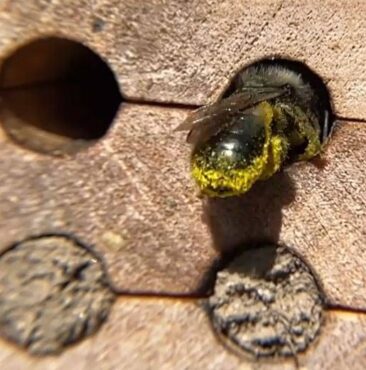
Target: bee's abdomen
240,146
229,163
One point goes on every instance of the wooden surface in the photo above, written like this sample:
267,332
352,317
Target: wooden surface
130,196
166,334
156,236
186,52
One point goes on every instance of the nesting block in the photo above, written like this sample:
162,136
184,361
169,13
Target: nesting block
128,194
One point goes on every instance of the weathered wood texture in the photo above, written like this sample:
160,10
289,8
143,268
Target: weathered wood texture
130,196
317,208
162,334
186,52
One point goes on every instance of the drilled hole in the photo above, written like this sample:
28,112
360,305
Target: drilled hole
57,95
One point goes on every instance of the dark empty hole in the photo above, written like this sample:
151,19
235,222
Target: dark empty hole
56,91
323,104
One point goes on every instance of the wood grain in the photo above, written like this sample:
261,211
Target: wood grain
186,52
165,334
131,198
318,209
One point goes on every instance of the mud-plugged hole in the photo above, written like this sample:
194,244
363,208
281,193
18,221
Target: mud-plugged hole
53,292
266,302
323,103
57,95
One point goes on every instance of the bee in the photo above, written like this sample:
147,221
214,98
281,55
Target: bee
270,119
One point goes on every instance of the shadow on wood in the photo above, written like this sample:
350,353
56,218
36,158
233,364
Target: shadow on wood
253,218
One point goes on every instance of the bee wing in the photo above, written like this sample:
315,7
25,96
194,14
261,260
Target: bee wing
209,120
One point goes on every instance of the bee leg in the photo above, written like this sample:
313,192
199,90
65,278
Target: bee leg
306,129
277,152
314,146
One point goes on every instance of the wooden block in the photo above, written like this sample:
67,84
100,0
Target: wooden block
187,52
342,344
154,333
317,209
130,196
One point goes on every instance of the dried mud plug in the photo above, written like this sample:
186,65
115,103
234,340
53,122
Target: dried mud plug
270,116
53,292
267,303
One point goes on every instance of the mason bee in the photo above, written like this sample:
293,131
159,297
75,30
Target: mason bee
271,117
